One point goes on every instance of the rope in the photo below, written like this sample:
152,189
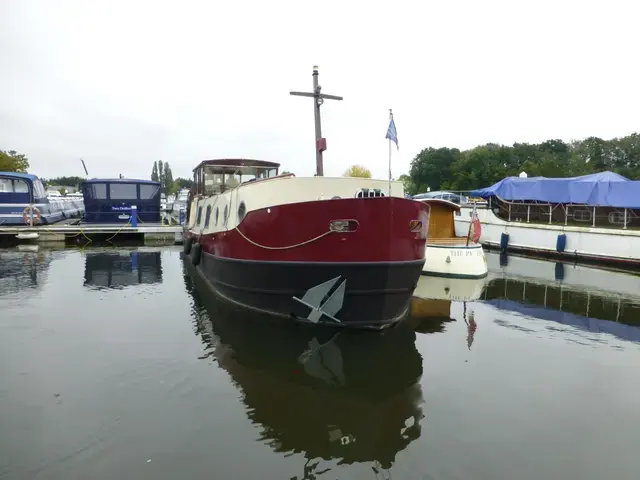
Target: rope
328,232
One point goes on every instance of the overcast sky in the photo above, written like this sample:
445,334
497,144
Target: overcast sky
124,83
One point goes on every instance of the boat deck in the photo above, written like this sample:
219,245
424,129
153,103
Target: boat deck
449,242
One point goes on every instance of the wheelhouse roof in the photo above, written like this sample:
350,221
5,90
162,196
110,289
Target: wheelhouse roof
120,180
439,201
236,162
24,176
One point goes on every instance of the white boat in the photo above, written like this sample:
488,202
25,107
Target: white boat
589,218
448,255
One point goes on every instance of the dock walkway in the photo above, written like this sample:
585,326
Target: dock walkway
85,233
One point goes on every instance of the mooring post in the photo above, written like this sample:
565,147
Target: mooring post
134,216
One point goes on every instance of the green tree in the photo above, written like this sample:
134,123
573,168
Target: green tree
12,161
450,169
432,169
181,183
64,181
168,179
357,171
154,173
409,187
161,173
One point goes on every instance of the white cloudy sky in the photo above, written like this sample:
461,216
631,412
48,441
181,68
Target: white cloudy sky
124,83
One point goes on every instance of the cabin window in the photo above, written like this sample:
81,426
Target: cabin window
147,192
199,217
242,211
39,189
582,215
231,180
97,191
207,217
217,214
226,214
6,185
20,186
617,218
123,191
369,193
458,213
212,181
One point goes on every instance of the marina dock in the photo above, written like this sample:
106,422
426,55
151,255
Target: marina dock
82,233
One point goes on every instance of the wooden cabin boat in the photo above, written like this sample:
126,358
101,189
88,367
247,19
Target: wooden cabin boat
111,200
448,255
591,218
23,201
337,251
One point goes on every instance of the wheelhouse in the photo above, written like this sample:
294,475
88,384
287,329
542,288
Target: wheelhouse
213,177
111,200
21,188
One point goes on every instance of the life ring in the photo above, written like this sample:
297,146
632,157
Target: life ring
187,245
196,252
26,215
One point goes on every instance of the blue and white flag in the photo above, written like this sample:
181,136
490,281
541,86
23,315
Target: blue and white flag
392,134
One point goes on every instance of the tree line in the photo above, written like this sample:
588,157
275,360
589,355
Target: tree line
450,168
453,169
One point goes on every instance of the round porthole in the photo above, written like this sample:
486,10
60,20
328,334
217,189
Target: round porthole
217,214
242,211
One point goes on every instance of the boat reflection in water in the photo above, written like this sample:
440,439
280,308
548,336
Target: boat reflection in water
335,395
121,268
587,298
25,267
431,304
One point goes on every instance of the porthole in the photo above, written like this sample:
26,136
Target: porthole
217,214
226,214
242,211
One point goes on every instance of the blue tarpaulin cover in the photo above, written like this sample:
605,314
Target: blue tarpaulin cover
605,189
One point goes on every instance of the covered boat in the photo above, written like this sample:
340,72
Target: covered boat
591,217
338,251
112,200
23,201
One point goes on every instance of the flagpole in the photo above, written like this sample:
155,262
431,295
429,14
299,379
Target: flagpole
471,223
390,118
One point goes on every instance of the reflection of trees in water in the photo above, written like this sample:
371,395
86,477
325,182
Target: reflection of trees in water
121,269
19,270
351,396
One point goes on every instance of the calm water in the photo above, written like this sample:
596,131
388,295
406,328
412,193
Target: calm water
118,364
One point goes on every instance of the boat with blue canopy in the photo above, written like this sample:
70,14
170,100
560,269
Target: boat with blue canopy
591,217
23,201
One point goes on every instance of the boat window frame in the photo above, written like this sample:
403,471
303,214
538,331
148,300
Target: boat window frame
120,185
199,216
207,216
232,176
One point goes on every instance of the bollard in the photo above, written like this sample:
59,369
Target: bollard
181,217
134,216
